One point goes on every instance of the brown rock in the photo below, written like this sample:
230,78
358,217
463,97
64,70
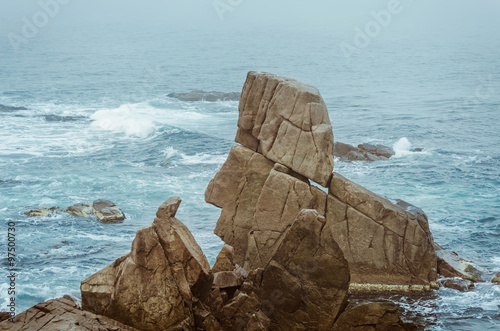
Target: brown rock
155,285
80,209
496,279
224,260
372,316
4,316
304,286
169,208
377,150
383,243
107,212
451,265
456,283
41,211
225,279
287,121
61,314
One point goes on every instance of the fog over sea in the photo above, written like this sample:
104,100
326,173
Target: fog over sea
96,122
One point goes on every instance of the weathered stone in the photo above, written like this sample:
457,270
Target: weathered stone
372,316
154,286
206,96
225,279
107,212
304,286
224,260
377,150
364,152
80,209
496,279
41,211
451,265
61,314
457,283
383,243
287,121
4,316
235,189
169,208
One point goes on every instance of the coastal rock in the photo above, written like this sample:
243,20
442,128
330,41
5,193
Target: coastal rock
4,316
496,279
456,283
62,314
287,121
155,286
224,260
80,209
372,316
206,96
225,279
107,212
383,243
41,211
364,152
451,265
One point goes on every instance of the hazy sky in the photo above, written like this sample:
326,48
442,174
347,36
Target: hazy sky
444,14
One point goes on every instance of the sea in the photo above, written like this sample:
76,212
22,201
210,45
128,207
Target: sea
86,115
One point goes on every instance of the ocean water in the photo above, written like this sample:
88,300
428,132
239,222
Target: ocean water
98,124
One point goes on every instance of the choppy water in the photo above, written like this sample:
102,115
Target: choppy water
98,124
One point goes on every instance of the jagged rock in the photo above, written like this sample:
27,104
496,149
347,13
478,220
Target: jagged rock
457,283
41,211
496,279
225,279
155,286
364,152
169,208
4,316
287,121
80,209
107,212
372,316
206,96
224,260
383,243
451,265
62,314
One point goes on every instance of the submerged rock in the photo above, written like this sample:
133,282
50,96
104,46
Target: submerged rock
372,316
156,285
107,212
41,211
457,283
80,209
4,108
61,314
287,122
364,152
206,96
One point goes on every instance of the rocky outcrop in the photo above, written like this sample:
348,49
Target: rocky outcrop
456,283
80,209
61,314
372,316
206,96
156,285
451,265
364,152
107,212
287,122
41,211
496,279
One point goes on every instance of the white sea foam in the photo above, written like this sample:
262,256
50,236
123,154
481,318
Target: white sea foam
173,155
130,119
402,147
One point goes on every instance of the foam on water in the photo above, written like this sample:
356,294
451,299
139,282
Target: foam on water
132,120
402,147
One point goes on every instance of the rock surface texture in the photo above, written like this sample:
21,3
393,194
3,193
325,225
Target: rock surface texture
155,286
107,212
364,152
61,315
287,122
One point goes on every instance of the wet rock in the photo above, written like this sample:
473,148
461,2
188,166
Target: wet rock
496,279
383,243
80,209
364,152
156,285
372,316
107,212
4,316
287,122
62,314
451,265
41,211
224,260
206,96
456,283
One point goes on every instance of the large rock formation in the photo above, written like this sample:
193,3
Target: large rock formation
262,191
155,286
287,122
61,314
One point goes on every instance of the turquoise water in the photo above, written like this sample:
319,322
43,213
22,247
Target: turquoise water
98,124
